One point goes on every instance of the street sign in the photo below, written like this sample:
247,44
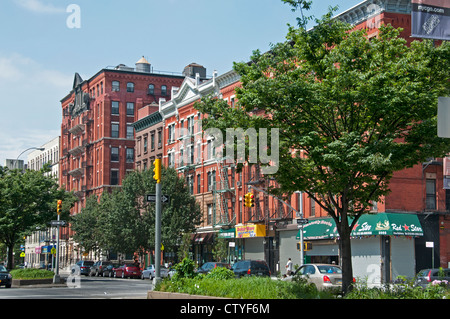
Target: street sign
58,223
302,221
152,198
22,254
53,251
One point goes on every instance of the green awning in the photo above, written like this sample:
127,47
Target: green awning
392,224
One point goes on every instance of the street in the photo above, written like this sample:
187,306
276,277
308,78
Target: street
86,288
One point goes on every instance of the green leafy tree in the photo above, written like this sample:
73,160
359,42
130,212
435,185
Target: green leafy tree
28,200
124,221
350,112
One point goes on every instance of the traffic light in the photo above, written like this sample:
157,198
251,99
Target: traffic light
58,206
249,200
157,170
307,246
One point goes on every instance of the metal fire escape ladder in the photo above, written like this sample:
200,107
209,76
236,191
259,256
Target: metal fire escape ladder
222,193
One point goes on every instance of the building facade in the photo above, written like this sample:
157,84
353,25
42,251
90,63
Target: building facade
269,231
97,136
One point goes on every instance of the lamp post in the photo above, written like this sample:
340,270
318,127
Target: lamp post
31,148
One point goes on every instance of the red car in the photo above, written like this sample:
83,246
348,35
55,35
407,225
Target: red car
127,271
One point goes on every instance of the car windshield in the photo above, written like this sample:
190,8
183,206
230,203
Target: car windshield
3,269
242,265
88,263
130,265
329,270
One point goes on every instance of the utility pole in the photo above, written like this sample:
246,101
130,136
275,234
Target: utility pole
157,177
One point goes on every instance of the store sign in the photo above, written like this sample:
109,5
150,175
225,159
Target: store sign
250,231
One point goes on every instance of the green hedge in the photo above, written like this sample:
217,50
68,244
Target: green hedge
31,273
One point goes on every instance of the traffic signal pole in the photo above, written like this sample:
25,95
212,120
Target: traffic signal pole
157,177
56,277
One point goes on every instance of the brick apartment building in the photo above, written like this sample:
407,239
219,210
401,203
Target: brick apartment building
269,230
97,138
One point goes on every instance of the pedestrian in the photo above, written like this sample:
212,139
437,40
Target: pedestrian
289,267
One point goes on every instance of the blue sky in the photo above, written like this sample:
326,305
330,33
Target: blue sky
39,53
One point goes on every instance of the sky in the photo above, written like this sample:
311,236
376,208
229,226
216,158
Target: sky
44,42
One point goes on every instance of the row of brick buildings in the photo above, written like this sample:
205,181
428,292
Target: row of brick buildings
123,118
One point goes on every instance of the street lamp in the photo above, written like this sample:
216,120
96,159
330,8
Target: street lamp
31,148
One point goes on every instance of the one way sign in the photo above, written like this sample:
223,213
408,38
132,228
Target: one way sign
152,198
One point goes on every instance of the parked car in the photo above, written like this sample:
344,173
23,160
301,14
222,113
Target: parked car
98,268
5,277
108,270
149,272
127,271
427,276
251,268
207,267
83,267
321,275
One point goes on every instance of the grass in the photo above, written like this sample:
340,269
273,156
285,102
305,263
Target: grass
31,273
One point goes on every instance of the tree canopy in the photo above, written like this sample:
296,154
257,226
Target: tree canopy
123,221
350,111
28,200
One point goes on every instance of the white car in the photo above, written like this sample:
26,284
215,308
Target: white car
322,275
149,272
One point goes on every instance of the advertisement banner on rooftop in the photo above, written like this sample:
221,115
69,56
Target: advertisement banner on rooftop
430,19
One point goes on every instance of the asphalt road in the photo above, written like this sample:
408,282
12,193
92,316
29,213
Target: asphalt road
82,287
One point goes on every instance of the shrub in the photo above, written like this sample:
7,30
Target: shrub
31,273
220,273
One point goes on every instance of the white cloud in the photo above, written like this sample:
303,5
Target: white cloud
30,105
39,7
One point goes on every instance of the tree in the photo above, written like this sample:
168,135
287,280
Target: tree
28,200
124,221
350,112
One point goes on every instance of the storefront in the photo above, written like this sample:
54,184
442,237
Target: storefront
382,245
251,241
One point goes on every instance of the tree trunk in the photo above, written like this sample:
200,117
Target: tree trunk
10,256
346,256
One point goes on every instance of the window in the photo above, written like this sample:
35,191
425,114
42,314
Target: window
114,130
130,132
209,217
313,207
171,133
145,144
114,177
114,154
115,107
211,149
163,90
130,108
159,139
130,155
152,141
151,89
115,86
431,194
130,87
211,180
190,124
199,184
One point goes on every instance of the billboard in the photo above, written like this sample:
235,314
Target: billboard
430,19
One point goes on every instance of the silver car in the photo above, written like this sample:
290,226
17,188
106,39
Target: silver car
149,272
322,275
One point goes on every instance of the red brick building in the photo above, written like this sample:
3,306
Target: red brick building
417,193
97,138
